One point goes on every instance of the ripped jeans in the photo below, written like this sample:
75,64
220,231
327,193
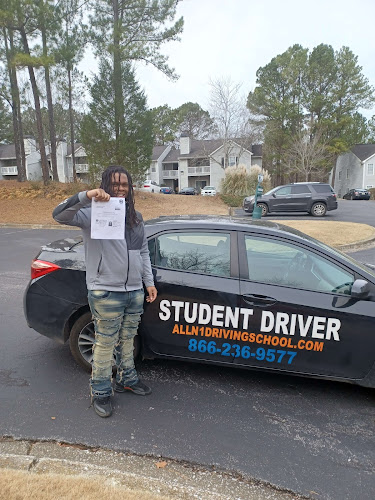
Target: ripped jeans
116,318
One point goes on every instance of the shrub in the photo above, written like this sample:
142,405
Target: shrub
240,182
372,192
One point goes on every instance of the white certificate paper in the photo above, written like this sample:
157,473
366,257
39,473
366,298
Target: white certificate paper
108,219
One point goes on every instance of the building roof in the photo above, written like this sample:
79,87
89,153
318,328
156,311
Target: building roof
172,156
7,151
364,151
207,147
157,151
77,145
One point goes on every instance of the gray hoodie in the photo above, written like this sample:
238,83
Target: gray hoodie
115,265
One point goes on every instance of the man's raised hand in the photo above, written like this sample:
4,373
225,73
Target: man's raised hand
97,195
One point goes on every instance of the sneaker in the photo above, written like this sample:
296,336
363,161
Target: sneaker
103,406
138,388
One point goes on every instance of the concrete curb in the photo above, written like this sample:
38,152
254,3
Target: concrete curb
38,226
160,476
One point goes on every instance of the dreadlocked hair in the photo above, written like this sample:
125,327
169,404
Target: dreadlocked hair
107,185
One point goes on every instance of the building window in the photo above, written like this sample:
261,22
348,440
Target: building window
153,169
369,186
232,161
222,161
340,175
370,169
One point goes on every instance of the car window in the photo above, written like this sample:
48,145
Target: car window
283,191
300,189
322,188
202,252
280,263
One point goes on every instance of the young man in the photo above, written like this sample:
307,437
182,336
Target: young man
115,273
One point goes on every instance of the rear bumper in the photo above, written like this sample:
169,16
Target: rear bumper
332,205
46,314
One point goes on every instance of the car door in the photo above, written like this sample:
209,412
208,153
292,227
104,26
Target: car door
303,318
301,198
196,275
280,200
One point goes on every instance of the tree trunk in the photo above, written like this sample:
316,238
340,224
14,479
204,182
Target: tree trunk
117,76
51,120
43,156
17,130
71,119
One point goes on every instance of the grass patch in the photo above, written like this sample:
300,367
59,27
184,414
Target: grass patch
22,485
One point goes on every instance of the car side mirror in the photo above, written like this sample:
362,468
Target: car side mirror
360,289
273,194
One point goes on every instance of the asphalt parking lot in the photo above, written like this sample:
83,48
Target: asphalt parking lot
312,437
348,211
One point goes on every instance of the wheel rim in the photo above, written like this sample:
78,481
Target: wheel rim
86,341
264,210
319,209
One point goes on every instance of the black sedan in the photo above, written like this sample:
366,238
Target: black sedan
357,194
255,295
188,190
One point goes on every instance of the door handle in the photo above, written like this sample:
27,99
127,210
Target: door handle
259,300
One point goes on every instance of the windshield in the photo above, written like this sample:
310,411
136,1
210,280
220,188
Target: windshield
272,190
347,257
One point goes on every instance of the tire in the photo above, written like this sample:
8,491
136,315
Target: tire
81,341
264,208
318,209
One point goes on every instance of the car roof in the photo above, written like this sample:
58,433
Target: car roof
294,183
220,222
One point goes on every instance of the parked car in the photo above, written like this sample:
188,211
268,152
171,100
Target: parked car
247,294
188,190
208,191
166,190
357,194
150,186
315,198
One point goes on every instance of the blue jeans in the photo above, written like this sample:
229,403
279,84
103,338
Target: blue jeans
116,318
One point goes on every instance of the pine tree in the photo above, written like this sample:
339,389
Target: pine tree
132,148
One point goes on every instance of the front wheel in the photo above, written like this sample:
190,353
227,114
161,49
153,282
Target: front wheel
81,341
264,208
318,209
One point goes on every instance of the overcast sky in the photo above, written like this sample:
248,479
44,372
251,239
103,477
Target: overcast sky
233,38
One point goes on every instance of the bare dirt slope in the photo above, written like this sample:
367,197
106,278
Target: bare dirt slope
31,203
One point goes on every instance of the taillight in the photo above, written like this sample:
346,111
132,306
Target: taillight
41,267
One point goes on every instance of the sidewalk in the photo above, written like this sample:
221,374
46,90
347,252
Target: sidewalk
163,478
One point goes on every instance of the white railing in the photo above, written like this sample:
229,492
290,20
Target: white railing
170,173
81,168
9,170
199,170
